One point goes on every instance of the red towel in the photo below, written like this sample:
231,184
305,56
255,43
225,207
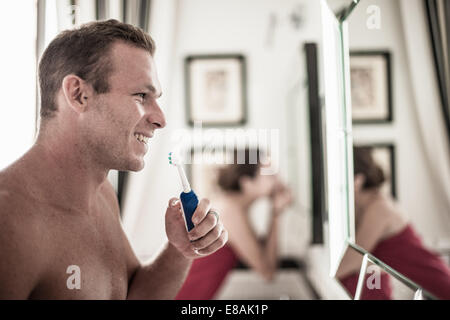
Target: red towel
406,254
207,274
383,292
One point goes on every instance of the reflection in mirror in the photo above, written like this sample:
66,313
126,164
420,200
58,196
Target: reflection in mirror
380,33
400,291
383,230
377,281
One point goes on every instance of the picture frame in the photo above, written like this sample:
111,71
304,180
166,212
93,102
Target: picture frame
384,155
216,90
371,87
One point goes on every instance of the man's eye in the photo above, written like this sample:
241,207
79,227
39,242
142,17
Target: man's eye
142,95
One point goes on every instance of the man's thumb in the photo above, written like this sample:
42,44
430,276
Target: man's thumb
174,206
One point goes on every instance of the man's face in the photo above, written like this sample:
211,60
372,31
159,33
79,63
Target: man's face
119,123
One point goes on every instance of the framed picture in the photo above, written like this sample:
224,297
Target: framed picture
371,94
384,156
216,90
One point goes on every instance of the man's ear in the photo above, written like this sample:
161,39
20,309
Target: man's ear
76,92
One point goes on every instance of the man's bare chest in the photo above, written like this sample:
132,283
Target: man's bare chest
87,259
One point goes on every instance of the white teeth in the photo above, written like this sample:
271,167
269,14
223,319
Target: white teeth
141,138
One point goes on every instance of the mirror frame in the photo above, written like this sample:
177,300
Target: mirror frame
338,138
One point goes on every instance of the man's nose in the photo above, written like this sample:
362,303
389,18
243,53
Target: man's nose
156,116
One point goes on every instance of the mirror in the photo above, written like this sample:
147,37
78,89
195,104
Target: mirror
370,56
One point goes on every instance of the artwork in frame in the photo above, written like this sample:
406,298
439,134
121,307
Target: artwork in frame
216,90
384,156
371,92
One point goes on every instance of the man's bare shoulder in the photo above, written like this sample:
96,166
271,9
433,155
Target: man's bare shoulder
20,244
16,218
18,212
13,194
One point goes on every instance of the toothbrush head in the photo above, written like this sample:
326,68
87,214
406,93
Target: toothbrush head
174,159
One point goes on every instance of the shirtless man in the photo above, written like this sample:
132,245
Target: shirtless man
99,91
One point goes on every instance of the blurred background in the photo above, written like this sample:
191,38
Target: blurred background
272,49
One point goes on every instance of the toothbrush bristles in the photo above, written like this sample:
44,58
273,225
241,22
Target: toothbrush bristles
173,159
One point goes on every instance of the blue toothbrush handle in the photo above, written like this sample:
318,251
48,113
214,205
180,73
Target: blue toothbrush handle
189,201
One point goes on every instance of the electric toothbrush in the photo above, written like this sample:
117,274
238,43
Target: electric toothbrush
188,197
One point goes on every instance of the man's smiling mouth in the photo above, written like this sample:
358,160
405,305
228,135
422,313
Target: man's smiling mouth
142,137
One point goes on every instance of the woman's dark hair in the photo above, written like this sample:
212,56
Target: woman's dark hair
363,163
230,175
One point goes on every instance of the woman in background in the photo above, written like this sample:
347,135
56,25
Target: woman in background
241,185
382,230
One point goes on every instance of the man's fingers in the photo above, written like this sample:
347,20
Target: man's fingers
174,208
205,226
206,237
201,211
209,239
219,243
174,202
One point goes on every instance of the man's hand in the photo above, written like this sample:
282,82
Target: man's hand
206,237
